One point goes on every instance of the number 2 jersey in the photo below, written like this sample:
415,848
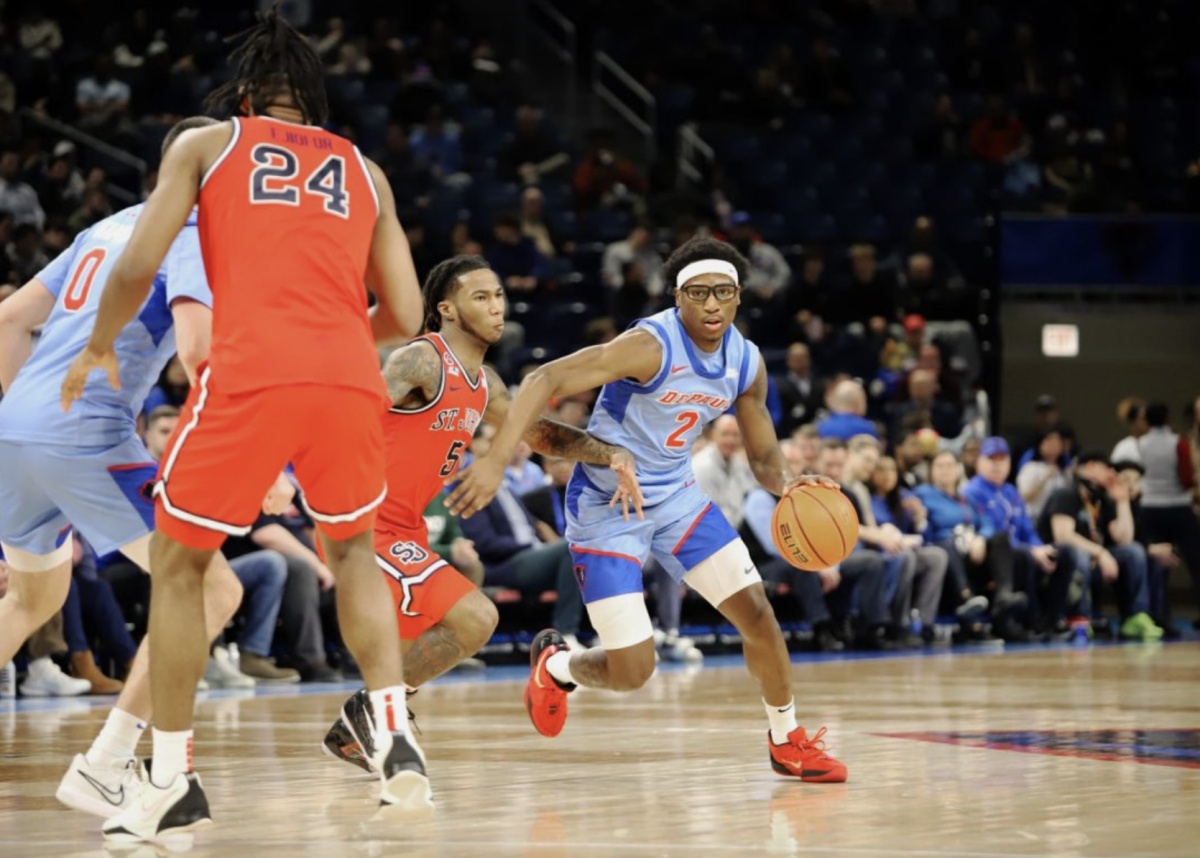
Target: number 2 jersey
31,411
287,216
658,422
425,445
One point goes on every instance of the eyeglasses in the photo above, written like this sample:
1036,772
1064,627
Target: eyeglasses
724,293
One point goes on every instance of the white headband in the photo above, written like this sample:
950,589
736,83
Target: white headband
706,266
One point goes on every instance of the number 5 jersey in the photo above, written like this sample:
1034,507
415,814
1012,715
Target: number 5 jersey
426,444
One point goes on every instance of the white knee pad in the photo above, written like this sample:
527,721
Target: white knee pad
728,571
26,561
621,621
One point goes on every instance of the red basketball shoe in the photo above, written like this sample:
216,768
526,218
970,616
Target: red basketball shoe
805,758
545,696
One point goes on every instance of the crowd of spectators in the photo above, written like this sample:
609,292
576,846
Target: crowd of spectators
969,540
1046,107
869,328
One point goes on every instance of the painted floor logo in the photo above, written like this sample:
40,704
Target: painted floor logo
1180,748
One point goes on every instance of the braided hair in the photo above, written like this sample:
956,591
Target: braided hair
441,283
273,59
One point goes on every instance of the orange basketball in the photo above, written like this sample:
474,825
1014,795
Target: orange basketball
814,527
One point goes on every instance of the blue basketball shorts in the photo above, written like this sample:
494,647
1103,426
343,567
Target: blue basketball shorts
47,490
608,552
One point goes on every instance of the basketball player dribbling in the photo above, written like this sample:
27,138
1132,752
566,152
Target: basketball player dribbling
663,380
440,391
292,220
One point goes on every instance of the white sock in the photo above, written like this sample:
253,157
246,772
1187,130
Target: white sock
172,756
783,720
118,739
559,666
391,711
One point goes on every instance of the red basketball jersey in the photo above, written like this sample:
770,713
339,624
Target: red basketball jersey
425,445
287,213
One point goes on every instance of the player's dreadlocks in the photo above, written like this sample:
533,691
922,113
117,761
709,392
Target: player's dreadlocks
442,280
273,59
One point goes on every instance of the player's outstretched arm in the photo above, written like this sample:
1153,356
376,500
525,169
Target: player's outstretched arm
129,282
19,316
635,354
415,368
391,275
762,446
551,438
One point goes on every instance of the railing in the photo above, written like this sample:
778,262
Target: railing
693,148
558,34
555,30
638,107
83,139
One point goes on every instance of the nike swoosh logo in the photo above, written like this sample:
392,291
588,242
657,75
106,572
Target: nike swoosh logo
749,570
803,771
676,369
689,484
537,673
164,795
113,797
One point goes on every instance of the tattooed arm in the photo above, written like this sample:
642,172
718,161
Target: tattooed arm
413,374
546,436
551,438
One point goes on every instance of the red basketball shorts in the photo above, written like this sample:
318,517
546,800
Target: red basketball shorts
424,586
228,449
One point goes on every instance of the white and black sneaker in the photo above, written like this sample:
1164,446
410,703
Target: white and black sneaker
157,813
101,790
405,794
341,745
340,742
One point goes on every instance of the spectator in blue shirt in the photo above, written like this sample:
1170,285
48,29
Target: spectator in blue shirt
1004,522
847,405
892,505
514,257
954,524
439,145
523,475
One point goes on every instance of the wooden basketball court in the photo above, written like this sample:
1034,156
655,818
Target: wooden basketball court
1044,751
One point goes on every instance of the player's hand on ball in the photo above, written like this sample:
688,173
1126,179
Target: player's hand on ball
80,368
478,484
628,489
810,480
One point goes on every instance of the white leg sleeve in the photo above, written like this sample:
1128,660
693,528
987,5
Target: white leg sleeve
621,621
728,571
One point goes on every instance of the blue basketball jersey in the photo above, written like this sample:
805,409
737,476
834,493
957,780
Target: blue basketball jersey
659,421
31,411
